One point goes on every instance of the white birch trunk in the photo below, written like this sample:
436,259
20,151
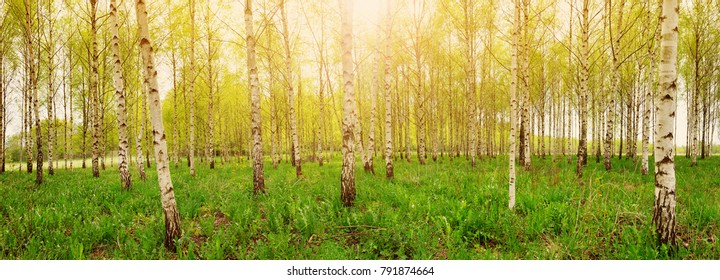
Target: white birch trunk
191,90
258,176
167,195
584,76
664,208
347,183
291,93
513,105
120,95
389,170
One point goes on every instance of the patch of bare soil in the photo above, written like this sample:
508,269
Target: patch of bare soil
221,219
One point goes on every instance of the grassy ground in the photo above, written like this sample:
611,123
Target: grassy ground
444,210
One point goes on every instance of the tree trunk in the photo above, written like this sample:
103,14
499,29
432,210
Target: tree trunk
649,94
34,94
27,106
419,83
145,121
373,111
347,184
94,91
176,140
693,108
291,93
274,122
139,128
358,125
2,106
320,130
167,195
51,88
101,108
120,95
70,108
211,94
389,170
614,81
664,208
86,118
513,104
526,160
65,118
584,75
258,177
191,90
471,80
26,94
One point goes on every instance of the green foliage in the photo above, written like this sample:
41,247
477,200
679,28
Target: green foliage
444,210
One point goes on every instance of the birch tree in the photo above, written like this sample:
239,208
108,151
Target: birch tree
120,95
513,103
664,208
167,194
417,38
389,170
211,93
347,183
584,76
94,92
32,89
370,155
651,83
258,177
291,93
4,44
51,85
524,73
191,90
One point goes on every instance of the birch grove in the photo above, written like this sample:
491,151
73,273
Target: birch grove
536,94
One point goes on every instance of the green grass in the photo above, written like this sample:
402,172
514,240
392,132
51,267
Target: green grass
444,210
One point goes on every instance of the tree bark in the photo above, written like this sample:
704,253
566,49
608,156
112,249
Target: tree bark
167,195
2,106
320,130
291,93
664,208
211,94
27,105
693,106
469,27
526,160
420,76
139,128
582,102
191,90
176,140
94,91
389,170
2,110
513,104
373,111
258,177
34,95
652,81
51,88
120,95
70,108
614,81
347,184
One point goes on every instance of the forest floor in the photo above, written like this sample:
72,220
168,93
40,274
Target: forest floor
443,210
